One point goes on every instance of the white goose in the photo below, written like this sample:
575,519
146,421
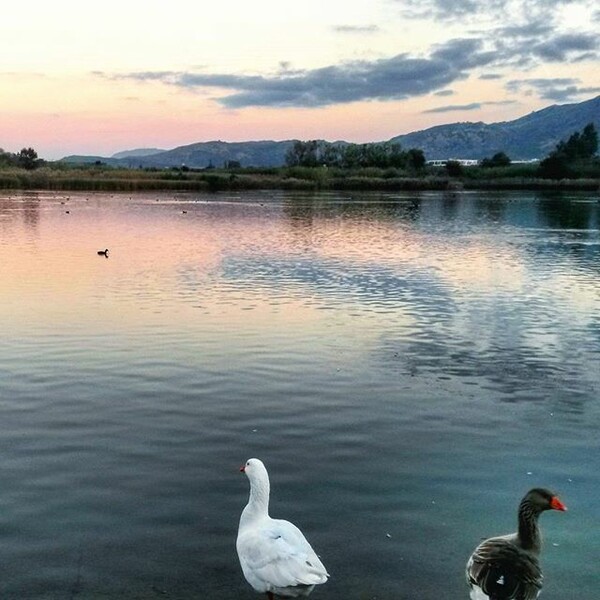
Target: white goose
274,554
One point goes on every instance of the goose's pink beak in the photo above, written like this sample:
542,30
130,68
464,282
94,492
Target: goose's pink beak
243,469
556,504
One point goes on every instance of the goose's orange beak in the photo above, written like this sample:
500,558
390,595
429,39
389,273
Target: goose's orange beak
556,504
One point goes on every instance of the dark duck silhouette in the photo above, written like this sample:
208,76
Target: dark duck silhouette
507,567
103,252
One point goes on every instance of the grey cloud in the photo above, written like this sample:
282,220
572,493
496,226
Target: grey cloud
521,50
561,46
528,30
454,107
444,93
356,28
463,107
395,78
516,85
571,93
559,89
467,51
399,77
445,10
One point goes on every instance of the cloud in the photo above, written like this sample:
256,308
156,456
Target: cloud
518,49
512,45
395,78
356,28
448,10
530,31
444,93
445,9
465,52
465,107
559,89
561,47
455,107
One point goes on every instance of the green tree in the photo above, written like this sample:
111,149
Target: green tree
353,156
556,166
589,141
27,158
302,154
416,159
577,151
329,154
454,168
500,159
6,158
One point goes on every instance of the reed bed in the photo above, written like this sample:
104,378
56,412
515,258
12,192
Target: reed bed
293,178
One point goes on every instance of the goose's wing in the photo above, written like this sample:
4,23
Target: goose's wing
278,554
503,571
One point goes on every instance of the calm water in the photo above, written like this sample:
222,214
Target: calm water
406,366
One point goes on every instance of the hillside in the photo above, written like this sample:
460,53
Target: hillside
217,153
138,152
531,136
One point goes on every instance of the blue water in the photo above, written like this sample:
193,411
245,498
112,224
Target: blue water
406,366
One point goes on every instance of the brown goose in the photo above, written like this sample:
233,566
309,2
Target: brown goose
507,567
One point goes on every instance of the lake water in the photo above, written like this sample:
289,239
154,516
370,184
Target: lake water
407,366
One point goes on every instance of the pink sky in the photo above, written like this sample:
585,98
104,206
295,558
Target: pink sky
79,80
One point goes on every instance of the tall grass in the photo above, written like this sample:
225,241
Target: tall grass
56,177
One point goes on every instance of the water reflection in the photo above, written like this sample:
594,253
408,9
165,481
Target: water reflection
421,359
24,208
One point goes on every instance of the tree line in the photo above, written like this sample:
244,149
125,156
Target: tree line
27,158
575,154
318,153
574,157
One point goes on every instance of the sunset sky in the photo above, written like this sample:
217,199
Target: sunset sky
81,78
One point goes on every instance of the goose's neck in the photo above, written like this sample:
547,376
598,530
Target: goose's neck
258,504
529,531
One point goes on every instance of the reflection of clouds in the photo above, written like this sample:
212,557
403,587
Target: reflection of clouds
467,291
525,347
340,283
465,260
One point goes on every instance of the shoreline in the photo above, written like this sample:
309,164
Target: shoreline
303,180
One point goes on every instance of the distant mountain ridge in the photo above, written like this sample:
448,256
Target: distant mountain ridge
138,152
531,136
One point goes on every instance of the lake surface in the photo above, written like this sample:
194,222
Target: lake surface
407,366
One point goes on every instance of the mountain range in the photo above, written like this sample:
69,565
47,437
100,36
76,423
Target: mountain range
528,137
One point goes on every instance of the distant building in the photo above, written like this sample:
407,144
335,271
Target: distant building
441,162
472,162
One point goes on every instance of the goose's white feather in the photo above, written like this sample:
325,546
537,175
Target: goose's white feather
274,554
